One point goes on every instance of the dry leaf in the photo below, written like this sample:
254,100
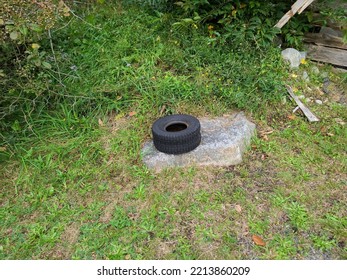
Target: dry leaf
238,208
101,123
291,117
258,240
330,134
132,113
266,132
2,149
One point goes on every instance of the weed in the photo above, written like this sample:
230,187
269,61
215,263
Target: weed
284,247
323,242
298,216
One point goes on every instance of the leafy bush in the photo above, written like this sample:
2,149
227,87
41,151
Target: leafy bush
239,22
23,25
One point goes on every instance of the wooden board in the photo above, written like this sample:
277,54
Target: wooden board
309,115
298,7
327,55
327,40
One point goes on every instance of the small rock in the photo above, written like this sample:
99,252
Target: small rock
326,83
305,76
293,56
303,55
315,70
325,75
320,102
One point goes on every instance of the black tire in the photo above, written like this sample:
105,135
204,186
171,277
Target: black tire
176,134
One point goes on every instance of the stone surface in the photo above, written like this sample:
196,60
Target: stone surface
315,70
293,56
223,141
305,76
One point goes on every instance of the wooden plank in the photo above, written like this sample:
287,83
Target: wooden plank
327,40
309,115
298,6
328,55
303,7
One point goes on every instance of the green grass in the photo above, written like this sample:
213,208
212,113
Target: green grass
73,185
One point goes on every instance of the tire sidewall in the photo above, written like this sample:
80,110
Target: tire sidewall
159,127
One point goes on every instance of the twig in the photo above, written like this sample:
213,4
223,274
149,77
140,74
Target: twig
54,57
85,21
70,11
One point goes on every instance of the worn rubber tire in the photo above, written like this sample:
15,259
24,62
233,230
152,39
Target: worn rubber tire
184,136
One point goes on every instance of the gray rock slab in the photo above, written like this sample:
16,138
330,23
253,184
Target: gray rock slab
223,142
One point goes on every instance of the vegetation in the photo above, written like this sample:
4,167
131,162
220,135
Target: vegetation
77,105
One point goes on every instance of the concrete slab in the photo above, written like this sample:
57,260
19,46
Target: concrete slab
223,141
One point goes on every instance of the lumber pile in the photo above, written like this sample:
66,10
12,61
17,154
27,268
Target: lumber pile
327,46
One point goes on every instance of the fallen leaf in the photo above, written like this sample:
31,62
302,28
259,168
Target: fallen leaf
266,132
265,137
323,129
101,123
238,208
258,240
291,117
132,113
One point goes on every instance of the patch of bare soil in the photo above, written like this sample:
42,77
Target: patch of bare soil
64,248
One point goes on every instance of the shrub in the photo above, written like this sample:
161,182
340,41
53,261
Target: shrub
23,25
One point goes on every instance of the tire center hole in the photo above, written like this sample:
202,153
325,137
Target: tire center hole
174,127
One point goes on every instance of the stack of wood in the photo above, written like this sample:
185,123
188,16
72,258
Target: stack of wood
326,46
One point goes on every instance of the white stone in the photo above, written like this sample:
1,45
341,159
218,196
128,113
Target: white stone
303,55
320,102
223,142
293,56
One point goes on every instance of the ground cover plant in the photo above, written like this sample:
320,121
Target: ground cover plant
72,182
